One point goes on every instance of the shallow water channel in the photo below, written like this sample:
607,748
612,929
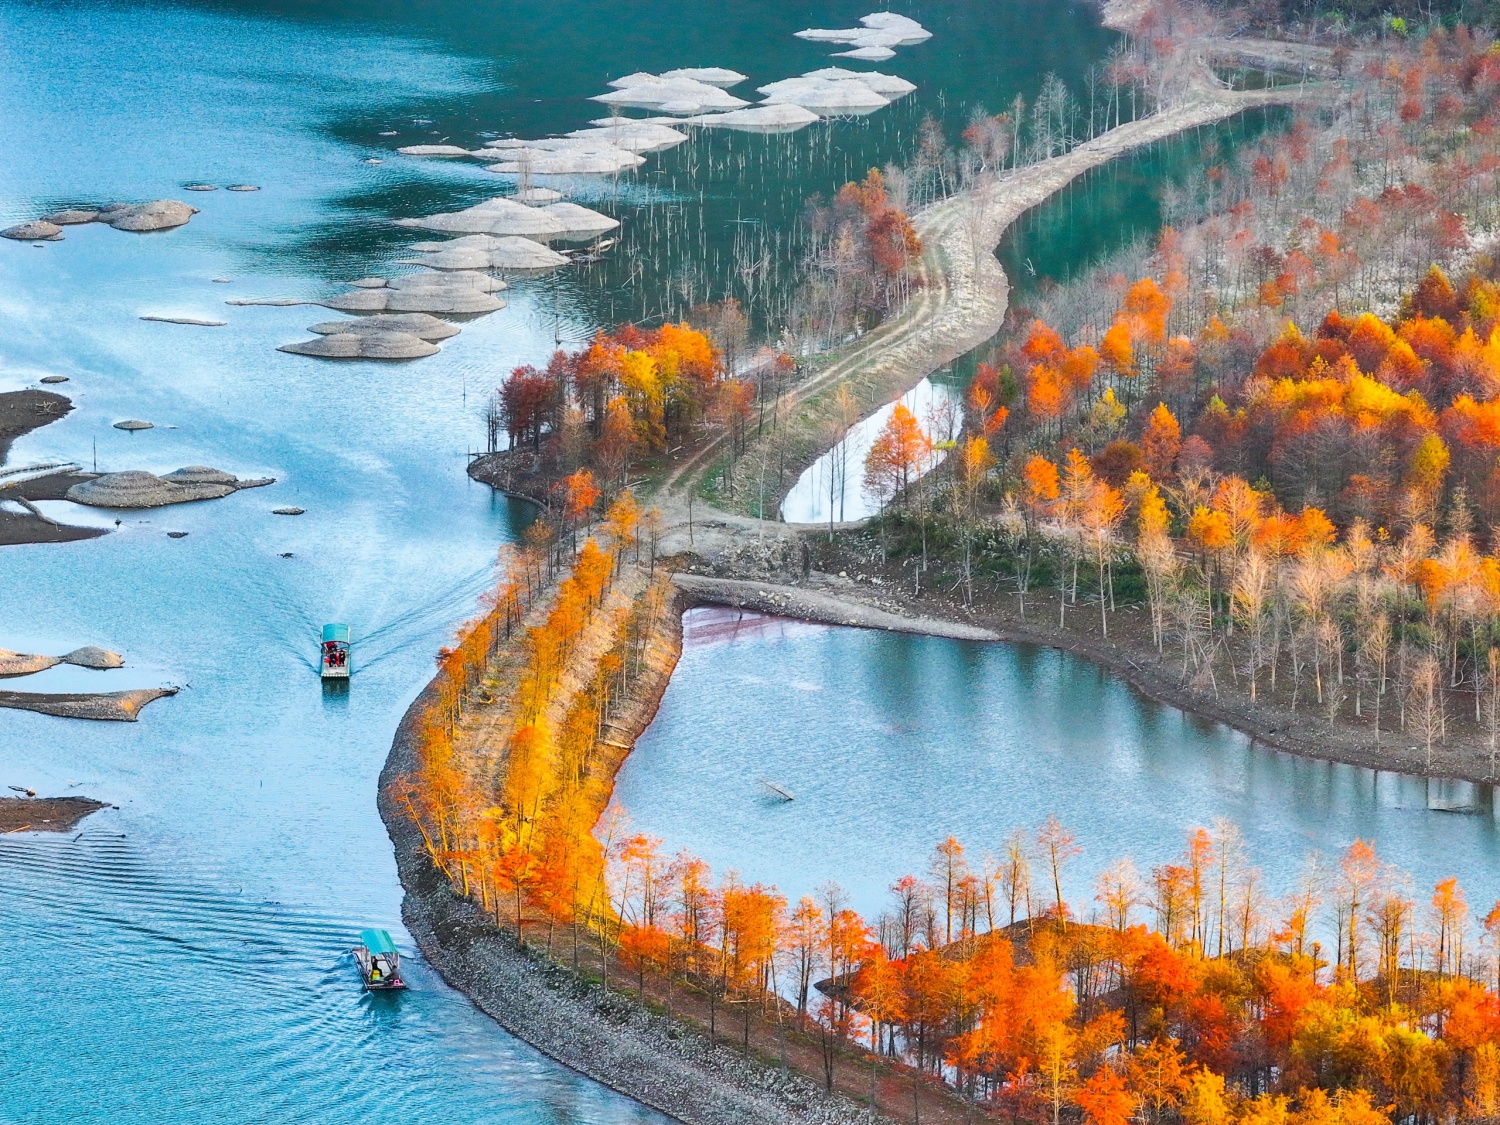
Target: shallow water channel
184,957
889,743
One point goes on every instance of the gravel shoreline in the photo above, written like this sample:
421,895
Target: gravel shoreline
1272,725
602,1035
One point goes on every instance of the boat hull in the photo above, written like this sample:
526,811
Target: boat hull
389,982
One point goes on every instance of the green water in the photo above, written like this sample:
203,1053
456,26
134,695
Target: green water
719,216
1119,204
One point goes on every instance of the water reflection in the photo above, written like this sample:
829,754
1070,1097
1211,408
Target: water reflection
892,742
834,486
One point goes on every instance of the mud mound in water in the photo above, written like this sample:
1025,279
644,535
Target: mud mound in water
137,489
422,325
159,214
92,656
430,292
499,216
108,706
364,345
45,814
24,663
38,230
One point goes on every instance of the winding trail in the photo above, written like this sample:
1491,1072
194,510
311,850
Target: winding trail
964,291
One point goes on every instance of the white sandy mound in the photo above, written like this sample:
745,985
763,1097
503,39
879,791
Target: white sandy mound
783,118
499,216
433,150
671,95
825,97
421,325
881,32
890,21
136,489
92,656
581,161
430,292
887,85
484,251
580,222
709,75
632,136
536,196
364,345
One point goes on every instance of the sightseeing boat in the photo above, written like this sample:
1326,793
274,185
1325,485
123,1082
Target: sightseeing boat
379,963
335,652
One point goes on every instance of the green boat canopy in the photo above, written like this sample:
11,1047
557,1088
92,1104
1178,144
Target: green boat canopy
377,941
336,633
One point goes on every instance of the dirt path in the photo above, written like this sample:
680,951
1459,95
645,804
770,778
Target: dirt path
820,606
964,291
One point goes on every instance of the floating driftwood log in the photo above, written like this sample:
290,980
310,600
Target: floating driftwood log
198,321
780,118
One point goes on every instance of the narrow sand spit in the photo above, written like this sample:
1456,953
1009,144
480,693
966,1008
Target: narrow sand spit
107,706
45,814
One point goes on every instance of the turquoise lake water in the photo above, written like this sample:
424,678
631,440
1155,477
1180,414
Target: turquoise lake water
890,743
184,958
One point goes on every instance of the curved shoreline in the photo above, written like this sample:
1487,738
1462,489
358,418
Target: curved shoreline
964,291
1272,726
599,1034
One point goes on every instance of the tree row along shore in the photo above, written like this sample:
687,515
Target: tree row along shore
495,795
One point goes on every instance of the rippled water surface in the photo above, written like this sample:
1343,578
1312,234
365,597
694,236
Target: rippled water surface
184,957
890,743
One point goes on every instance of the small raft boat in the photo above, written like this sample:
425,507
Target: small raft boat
379,963
335,652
